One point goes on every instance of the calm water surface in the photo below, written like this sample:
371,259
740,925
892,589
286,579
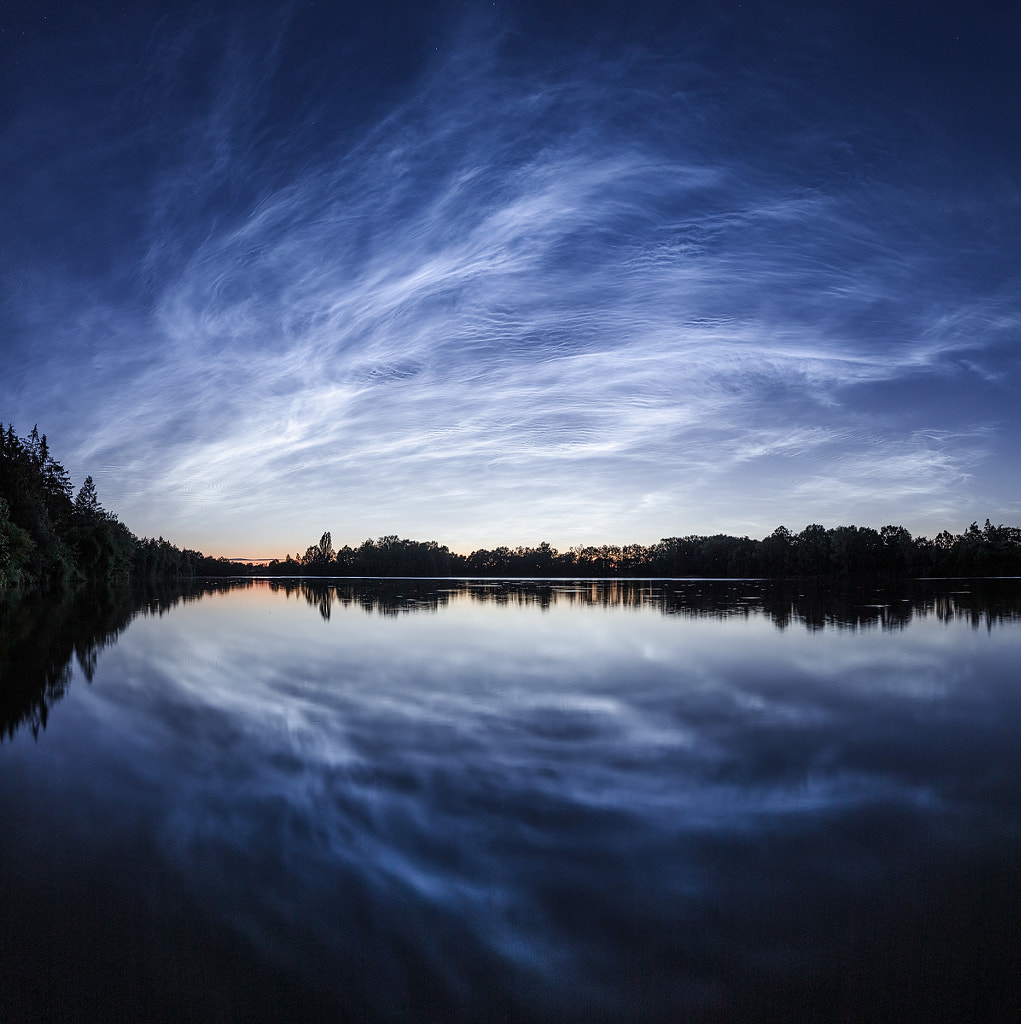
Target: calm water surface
513,801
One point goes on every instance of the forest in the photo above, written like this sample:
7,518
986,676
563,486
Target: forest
843,551
51,536
54,538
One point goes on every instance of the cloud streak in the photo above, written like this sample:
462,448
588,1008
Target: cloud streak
528,301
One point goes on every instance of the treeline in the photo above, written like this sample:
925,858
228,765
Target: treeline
388,556
52,537
845,551
841,552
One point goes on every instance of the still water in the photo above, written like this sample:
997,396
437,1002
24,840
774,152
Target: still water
512,801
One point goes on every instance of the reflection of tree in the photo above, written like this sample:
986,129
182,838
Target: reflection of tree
319,595
39,639
383,596
42,635
814,604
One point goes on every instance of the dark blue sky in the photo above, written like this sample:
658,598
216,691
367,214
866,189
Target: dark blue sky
497,273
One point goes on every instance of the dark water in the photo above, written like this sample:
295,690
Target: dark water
402,801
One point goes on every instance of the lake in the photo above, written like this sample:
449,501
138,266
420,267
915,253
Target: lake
504,800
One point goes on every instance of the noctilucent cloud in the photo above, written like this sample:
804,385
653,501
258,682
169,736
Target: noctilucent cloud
499,273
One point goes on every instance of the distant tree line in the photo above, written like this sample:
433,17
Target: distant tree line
51,536
388,556
843,552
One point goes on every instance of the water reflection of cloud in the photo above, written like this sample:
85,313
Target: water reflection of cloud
527,812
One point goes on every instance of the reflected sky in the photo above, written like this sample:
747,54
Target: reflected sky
578,811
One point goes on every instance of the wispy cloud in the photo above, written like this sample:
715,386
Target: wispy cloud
523,301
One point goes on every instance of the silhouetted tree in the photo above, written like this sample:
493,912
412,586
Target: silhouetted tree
86,504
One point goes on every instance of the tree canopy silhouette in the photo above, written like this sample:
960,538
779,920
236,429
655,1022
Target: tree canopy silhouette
840,552
51,536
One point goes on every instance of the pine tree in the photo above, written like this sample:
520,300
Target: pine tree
86,504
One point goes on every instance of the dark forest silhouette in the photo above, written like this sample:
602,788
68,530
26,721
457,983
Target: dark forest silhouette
844,551
52,537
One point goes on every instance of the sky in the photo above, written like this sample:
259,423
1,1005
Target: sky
498,273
